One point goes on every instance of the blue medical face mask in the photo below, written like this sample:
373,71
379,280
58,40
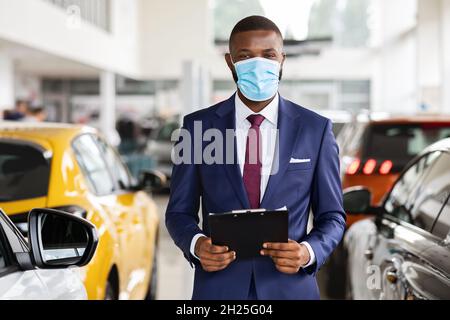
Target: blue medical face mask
258,78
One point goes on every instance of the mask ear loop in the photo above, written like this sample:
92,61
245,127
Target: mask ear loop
234,65
231,57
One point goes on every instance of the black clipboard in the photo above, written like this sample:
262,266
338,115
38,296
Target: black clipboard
245,231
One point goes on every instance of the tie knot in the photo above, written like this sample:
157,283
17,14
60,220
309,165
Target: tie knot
256,120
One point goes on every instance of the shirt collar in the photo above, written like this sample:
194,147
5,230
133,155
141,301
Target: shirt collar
270,112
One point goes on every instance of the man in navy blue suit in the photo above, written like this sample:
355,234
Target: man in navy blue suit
282,156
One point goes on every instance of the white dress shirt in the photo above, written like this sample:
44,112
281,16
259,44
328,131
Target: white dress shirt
268,130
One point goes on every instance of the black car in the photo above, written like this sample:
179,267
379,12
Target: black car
403,250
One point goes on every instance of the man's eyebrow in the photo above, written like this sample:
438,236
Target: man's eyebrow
265,50
243,50
271,49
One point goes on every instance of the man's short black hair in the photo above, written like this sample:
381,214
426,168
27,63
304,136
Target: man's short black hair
253,23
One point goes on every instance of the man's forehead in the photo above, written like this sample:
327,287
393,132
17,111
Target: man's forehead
256,40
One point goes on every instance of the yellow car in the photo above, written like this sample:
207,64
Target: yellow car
73,169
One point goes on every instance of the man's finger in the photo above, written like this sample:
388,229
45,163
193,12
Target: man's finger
285,262
217,262
208,264
278,253
217,249
217,257
217,265
280,246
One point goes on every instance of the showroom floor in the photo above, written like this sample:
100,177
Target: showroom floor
175,276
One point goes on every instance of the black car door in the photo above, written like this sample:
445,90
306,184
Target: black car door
431,280
404,228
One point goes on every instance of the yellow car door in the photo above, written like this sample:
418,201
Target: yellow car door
132,213
108,194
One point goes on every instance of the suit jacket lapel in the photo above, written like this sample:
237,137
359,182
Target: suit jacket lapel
227,120
289,128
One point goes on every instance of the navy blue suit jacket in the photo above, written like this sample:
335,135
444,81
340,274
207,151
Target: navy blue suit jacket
300,187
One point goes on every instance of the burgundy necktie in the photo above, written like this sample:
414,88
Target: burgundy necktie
252,166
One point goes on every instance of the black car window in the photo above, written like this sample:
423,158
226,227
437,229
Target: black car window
3,252
400,200
92,164
441,228
165,133
24,171
354,140
431,193
399,142
116,166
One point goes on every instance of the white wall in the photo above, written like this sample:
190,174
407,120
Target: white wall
7,94
173,32
40,25
445,40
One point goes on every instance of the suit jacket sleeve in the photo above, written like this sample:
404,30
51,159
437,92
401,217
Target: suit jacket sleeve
182,210
326,202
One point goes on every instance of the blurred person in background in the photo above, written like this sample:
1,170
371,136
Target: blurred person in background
130,137
35,114
132,145
19,113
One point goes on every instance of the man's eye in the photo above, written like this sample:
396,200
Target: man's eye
271,56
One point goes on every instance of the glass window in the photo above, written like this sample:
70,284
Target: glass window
442,226
2,257
116,166
343,22
93,165
97,12
402,142
3,252
399,201
24,172
431,193
354,140
228,12
165,133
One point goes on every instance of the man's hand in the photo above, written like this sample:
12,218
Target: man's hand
213,258
288,257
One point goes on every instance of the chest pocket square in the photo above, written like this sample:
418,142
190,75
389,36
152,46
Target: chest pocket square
299,164
293,160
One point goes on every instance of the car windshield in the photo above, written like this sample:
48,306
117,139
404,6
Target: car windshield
337,128
165,133
24,172
402,142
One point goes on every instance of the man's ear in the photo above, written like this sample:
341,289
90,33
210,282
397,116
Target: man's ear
231,66
283,60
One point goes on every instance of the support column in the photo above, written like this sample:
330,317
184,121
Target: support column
395,69
445,38
195,87
108,107
429,55
7,96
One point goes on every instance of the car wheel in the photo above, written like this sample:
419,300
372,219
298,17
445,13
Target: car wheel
110,293
337,266
153,285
